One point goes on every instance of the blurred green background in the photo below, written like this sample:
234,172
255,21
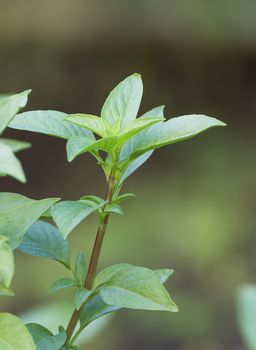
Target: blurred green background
195,204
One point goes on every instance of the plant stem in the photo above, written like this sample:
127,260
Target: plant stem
94,256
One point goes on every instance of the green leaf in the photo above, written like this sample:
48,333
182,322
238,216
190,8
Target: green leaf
80,268
91,122
11,105
246,309
114,208
22,213
105,275
48,122
136,126
9,164
6,263
95,308
122,105
62,284
43,239
163,274
137,288
123,197
68,214
52,342
133,166
5,291
81,296
78,145
15,145
13,334
164,133
94,199
37,331
155,112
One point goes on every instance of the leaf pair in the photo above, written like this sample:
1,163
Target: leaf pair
126,286
134,287
9,163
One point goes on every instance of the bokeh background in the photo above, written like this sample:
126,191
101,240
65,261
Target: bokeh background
196,201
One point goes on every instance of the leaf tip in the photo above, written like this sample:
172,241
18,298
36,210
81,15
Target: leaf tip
28,91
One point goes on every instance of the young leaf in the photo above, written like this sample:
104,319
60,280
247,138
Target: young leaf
15,145
94,199
81,296
163,274
95,308
164,133
155,112
114,208
137,288
136,126
37,331
97,125
48,122
9,164
123,197
6,263
11,105
62,284
13,334
68,214
80,268
43,239
22,213
52,342
77,146
133,166
123,103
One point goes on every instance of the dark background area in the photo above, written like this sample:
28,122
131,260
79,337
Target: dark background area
195,205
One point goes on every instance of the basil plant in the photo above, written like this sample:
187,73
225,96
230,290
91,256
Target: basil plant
120,142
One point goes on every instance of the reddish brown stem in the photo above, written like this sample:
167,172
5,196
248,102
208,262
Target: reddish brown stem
94,257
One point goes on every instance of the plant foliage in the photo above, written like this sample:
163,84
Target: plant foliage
121,142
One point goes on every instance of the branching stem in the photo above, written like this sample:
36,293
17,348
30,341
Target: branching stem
94,256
